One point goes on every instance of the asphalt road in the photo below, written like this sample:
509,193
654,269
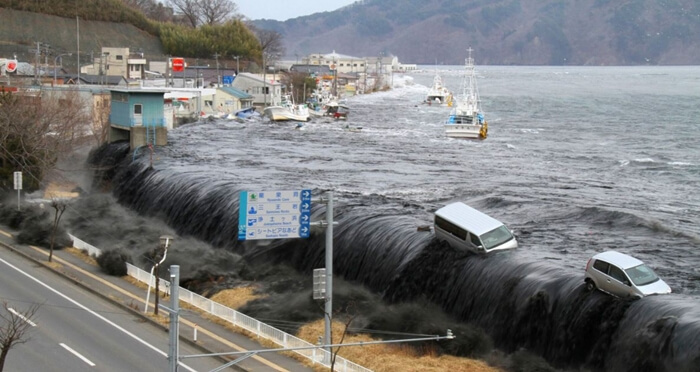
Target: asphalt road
76,330
87,317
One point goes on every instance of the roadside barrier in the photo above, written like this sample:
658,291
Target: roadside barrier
260,329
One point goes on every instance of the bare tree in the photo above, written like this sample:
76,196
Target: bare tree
215,12
350,315
270,42
59,207
190,9
14,329
35,131
152,9
99,126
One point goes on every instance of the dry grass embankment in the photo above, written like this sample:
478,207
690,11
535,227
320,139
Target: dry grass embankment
378,357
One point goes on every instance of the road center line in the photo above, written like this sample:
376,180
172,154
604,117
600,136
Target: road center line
78,304
21,316
86,360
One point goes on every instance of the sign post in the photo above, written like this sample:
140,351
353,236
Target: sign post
274,214
18,185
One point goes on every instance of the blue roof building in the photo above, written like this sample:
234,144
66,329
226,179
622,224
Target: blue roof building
138,116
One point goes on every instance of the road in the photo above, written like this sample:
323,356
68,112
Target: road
76,330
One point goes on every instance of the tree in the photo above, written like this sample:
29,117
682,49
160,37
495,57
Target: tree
35,130
152,9
59,207
350,315
303,85
216,12
270,42
189,9
208,12
14,329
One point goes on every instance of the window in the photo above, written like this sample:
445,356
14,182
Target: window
137,109
475,239
119,58
642,275
617,274
496,237
601,266
450,228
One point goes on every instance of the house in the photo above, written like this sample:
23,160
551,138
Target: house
340,62
117,62
267,92
138,116
230,100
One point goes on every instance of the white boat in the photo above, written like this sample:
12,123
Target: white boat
287,111
466,119
438,93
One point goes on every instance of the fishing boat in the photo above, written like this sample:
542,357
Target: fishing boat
287,110
466,119
337,110
438,93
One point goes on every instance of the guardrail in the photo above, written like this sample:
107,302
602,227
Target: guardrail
259,329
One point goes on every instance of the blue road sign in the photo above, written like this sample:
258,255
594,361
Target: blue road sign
274,214
227,79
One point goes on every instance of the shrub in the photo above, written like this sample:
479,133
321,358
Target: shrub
113,262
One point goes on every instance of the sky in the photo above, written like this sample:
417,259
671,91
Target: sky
282,10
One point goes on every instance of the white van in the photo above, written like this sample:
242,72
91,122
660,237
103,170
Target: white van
465,227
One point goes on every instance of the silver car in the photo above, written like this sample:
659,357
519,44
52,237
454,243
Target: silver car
623,276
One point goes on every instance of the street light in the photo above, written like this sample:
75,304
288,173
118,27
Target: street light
162,247
237,68
55,62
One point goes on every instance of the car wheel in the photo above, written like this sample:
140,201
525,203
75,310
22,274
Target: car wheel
590,286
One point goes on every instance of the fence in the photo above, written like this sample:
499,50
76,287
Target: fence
259,329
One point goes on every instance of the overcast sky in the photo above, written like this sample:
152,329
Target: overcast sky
283,10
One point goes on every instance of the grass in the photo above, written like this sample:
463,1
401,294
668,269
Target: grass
235,297
391,357
378,357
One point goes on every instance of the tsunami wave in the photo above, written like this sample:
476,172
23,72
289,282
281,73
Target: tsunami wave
518,300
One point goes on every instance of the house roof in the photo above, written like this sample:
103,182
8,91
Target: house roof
256,78
316,69
97,79
237,93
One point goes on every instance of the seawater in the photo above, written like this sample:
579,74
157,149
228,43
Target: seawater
578,160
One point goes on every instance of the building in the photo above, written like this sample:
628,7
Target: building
230,100
117,62
339,62
267,92
139,117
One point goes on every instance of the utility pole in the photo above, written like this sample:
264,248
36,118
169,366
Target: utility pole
218,76
46,55
36,63
77,22
174,310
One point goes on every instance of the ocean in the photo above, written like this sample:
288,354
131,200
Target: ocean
578,160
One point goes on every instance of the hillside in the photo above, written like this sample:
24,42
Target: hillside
20,30
518,32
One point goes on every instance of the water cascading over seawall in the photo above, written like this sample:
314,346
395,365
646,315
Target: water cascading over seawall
521,303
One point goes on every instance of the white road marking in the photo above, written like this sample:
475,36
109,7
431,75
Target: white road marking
21,316
86,360
76,303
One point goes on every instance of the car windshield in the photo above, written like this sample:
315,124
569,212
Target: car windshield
641,275
496,237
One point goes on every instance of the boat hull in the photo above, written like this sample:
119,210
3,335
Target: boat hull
463,131
276,113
